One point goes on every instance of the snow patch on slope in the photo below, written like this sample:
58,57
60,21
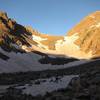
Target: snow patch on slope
69,48
98,25
67,43
66,47
92,16
29,62
47,86
38,40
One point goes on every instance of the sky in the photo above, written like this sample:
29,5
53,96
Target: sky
55,17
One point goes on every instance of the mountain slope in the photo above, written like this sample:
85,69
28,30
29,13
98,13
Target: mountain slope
79,43
23,48
88,31
32,63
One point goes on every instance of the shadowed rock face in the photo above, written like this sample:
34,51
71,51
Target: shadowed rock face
11,32
89,33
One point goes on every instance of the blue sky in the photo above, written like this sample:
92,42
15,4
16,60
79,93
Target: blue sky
49,16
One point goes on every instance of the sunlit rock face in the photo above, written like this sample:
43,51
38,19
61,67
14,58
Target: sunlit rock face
89,34
82,42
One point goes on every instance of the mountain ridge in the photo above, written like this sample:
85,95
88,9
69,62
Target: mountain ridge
75,44
88,30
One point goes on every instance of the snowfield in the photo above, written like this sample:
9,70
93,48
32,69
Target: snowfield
49,85
65,47
29,62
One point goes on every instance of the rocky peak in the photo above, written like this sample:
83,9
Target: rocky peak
11,32
3,15
87,22
6,24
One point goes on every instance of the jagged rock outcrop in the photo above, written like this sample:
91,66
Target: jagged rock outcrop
11,31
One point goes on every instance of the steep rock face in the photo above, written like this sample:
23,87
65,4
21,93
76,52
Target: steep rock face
11,32
88,31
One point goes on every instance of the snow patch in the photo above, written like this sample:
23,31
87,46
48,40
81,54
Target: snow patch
38,40
50,84
92,16
98,25
69,48
24,47
92,26
43,46
95,25
29,62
